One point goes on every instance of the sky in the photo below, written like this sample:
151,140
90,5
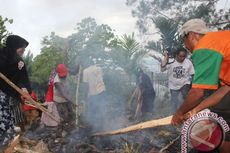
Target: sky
34,19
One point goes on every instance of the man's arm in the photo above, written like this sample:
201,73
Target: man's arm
193,98
163,62
212,100
62,91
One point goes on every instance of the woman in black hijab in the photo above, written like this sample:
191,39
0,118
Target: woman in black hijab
13,67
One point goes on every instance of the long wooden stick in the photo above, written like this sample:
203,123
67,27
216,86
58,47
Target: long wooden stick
77,96
170,144
131,98
138,111
140,126
27,95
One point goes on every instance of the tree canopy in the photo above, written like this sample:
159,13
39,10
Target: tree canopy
89,43
168,15
3,30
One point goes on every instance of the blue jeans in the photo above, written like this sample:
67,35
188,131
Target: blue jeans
178,96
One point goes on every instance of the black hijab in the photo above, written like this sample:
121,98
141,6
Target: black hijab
9,60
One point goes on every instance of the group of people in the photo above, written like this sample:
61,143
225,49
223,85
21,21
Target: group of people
58,100
196,84
61,104
204,80
15,108
210,75
211,80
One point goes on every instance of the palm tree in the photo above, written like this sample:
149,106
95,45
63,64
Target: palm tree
3,30
129,44
128,53
168,30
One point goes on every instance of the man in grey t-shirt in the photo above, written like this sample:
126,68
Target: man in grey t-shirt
61,95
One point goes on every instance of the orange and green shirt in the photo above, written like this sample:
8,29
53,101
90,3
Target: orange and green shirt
211,59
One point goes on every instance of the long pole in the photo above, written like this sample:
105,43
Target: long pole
131,98
140,126
27,95
77,96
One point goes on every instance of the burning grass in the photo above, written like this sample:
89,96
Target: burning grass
58,140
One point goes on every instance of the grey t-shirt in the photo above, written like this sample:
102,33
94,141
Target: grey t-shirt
57,95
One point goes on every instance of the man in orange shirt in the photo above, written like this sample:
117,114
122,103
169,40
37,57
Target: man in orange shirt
211,58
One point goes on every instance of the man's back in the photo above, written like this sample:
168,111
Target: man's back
94,77
211,59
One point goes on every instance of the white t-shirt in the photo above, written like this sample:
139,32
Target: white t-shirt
94,77
179,74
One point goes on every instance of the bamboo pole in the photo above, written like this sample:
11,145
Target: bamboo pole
77,96
138,112
140,126
131,98
27,96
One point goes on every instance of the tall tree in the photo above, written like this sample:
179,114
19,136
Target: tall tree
90,41
28,59
3,31
52,53
126,53
168,15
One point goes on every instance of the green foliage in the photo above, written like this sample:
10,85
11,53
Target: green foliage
168,15
3,31
178,9
154,45
28,59
168,31
222,16
90,41
44,63
129,44
57,43
126,53
117,88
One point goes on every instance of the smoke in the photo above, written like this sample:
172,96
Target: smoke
106,111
